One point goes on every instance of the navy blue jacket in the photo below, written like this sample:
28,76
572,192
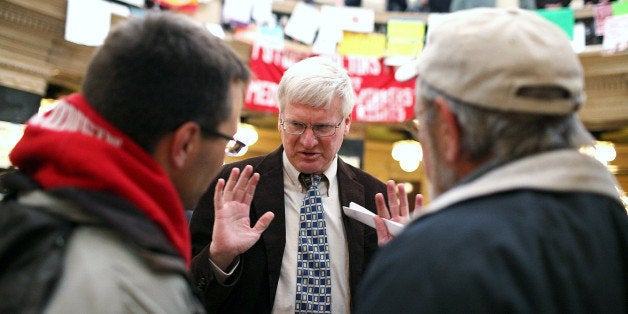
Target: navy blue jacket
520,251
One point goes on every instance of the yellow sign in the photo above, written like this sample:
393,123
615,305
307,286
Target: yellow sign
363,44
405,37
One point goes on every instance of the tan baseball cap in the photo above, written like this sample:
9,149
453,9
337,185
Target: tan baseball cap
491,57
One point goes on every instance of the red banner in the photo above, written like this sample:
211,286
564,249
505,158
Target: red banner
187,6
380,98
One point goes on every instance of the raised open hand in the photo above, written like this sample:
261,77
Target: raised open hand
233,234
397,209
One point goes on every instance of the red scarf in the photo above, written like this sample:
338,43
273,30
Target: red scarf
72,145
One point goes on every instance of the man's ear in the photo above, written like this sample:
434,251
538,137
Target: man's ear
449,130
347,125
185,144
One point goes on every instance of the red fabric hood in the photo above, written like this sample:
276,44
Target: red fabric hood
73,146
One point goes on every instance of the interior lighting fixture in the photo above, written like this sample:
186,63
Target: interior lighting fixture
248,135
408,153
603,151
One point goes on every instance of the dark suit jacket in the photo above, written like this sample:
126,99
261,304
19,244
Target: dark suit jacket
252,288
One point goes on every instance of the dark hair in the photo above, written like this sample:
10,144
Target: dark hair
156,72
540,4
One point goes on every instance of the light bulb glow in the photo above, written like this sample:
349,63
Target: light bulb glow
409,165
603,151
247,134
409,154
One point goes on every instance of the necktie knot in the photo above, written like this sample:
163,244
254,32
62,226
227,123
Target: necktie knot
309,180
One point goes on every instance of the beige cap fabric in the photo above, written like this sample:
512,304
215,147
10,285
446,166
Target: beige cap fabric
488,56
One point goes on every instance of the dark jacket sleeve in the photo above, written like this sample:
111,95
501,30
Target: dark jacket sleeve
201,226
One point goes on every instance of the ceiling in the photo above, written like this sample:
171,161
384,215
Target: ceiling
36,58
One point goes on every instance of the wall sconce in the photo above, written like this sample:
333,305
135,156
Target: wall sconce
408,153
248,135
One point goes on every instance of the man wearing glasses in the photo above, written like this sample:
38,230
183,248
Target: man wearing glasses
93,219
233,147
248,269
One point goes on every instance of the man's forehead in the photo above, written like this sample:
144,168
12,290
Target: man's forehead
327,120
294,109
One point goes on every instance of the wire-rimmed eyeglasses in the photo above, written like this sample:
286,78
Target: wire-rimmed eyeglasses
320,130
233,147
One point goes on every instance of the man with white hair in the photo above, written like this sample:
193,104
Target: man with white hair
240,269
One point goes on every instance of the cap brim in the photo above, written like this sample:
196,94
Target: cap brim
407,71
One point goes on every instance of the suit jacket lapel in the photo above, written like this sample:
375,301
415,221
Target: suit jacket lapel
351,190
269,196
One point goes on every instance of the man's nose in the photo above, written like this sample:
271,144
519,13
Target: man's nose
308,138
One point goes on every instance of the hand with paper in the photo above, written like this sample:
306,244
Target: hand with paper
390,219
396,211
365,216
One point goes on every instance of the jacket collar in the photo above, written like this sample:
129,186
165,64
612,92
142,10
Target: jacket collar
563,170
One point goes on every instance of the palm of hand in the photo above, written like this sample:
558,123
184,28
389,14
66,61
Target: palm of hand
232,227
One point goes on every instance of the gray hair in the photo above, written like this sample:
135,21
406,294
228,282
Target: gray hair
316,82
497,136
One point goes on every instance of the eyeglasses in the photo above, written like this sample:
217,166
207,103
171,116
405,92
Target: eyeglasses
233,147
320,130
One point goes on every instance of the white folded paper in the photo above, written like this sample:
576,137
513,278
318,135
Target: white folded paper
363,215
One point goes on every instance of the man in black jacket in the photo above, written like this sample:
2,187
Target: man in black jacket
245,270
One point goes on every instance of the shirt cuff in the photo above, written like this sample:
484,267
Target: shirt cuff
220,275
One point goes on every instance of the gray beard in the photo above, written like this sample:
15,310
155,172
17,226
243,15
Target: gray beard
443,178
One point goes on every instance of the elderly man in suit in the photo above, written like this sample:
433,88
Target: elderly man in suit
248,269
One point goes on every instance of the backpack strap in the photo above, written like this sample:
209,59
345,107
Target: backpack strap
32,250
58,207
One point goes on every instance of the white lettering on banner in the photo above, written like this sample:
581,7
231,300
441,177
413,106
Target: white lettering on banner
269,55
356,82
65,117
389,104
358,65
379,97
262,93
